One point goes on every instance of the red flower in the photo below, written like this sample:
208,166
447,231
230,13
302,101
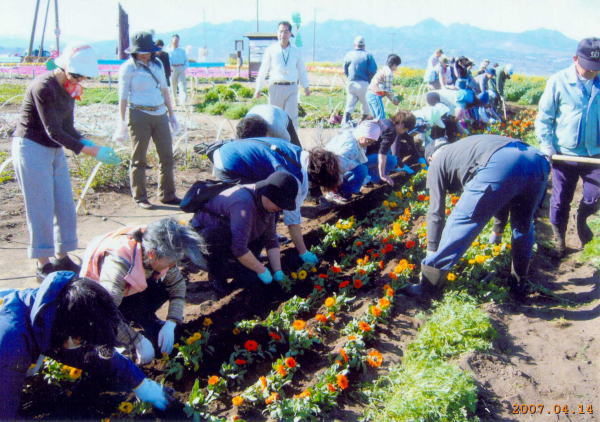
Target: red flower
323,275
385,240
336,269
381,265
318,287
290,362
240,362
421,197
370,250
321,318
344,284
275,336
410,244
251,346
388,247
358,283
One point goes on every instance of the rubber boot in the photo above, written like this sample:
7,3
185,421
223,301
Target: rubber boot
520,285
431,285
583,230
559,239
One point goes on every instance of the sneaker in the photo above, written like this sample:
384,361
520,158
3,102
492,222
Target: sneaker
174,201
145,205
336,198
65,264
41,273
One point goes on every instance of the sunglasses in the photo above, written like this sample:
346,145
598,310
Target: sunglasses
77,76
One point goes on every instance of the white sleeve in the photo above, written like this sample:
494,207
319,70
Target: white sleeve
294,217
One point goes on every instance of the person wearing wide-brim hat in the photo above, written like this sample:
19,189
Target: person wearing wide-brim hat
145,112
46,125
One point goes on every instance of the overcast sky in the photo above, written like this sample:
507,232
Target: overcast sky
94,20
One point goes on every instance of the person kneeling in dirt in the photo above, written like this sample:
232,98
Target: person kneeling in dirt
137,265
252,160
73,321
278,124
236,225
494,172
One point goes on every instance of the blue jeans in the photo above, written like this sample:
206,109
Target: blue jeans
376,107
43,176
353,180
515,176
373,163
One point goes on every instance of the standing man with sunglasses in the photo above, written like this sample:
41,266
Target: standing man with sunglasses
568,123
283,64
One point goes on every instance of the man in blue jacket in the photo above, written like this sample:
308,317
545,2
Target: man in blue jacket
568,123
359,68
73,321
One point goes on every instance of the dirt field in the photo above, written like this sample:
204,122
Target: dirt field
547,354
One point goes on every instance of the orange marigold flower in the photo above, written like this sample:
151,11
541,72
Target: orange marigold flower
290,362
331,316
381,265
212,380
344,284
251,345
342,381
302,395
374,358
281,370
386,286
299,324
237,401
393,276
362,272
358,283
410,244
241,361
331,387
272,398
364,326
351,337
335,269
321,318
358,243
274,336
384,302
329,302
75,373
344,355
375,310
389,292
263,382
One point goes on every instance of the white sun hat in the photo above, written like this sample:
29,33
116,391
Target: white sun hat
80,59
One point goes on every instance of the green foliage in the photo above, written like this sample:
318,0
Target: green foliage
8,174
236,111
423,391
99,96
107,177
532,96
456,326
217,108
12,93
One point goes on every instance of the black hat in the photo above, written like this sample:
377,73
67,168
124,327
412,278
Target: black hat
588,53
281,188
142,42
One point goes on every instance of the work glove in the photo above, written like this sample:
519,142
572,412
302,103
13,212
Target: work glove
429,253
309,258
108,156
144,351
423,161
153,393
175,128
166,337
265,276
121,132
87,143
407,169
279,275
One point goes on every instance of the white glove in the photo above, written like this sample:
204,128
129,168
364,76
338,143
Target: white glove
548,150
166,337
175,128
121,132
144,351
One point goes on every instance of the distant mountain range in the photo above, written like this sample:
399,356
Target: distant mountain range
537,52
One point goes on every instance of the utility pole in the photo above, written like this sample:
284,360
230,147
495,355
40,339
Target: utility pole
56,27
41,49
256,15
37,8
314,32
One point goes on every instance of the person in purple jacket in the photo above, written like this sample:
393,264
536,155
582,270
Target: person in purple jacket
74,321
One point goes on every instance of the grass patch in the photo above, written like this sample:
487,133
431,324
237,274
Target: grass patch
12,93
107,177
99,96
8,174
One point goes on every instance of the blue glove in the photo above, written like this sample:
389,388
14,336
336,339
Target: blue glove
279,275
309,258
166,337
144,351
108,156
265,276
423,161
87,143
153,393
407,169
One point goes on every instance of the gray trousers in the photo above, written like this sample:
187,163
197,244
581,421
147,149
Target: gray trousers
43,176
286,97
142,127
178,81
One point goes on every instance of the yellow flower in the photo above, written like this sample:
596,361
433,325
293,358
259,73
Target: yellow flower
329,302
125,407
1,302
475,244
397,229
299,324
480,259
386,203
471,261
237,401
302,274
236,331
393,204
207,322
74,373
294,275
313,270
451,276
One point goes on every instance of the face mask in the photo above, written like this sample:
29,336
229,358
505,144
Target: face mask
74,89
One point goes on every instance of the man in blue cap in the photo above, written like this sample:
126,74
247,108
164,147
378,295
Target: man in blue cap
568,123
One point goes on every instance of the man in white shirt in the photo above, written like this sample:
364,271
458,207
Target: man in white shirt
282,63
179,64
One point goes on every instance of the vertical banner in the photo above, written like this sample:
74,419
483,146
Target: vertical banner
123,34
